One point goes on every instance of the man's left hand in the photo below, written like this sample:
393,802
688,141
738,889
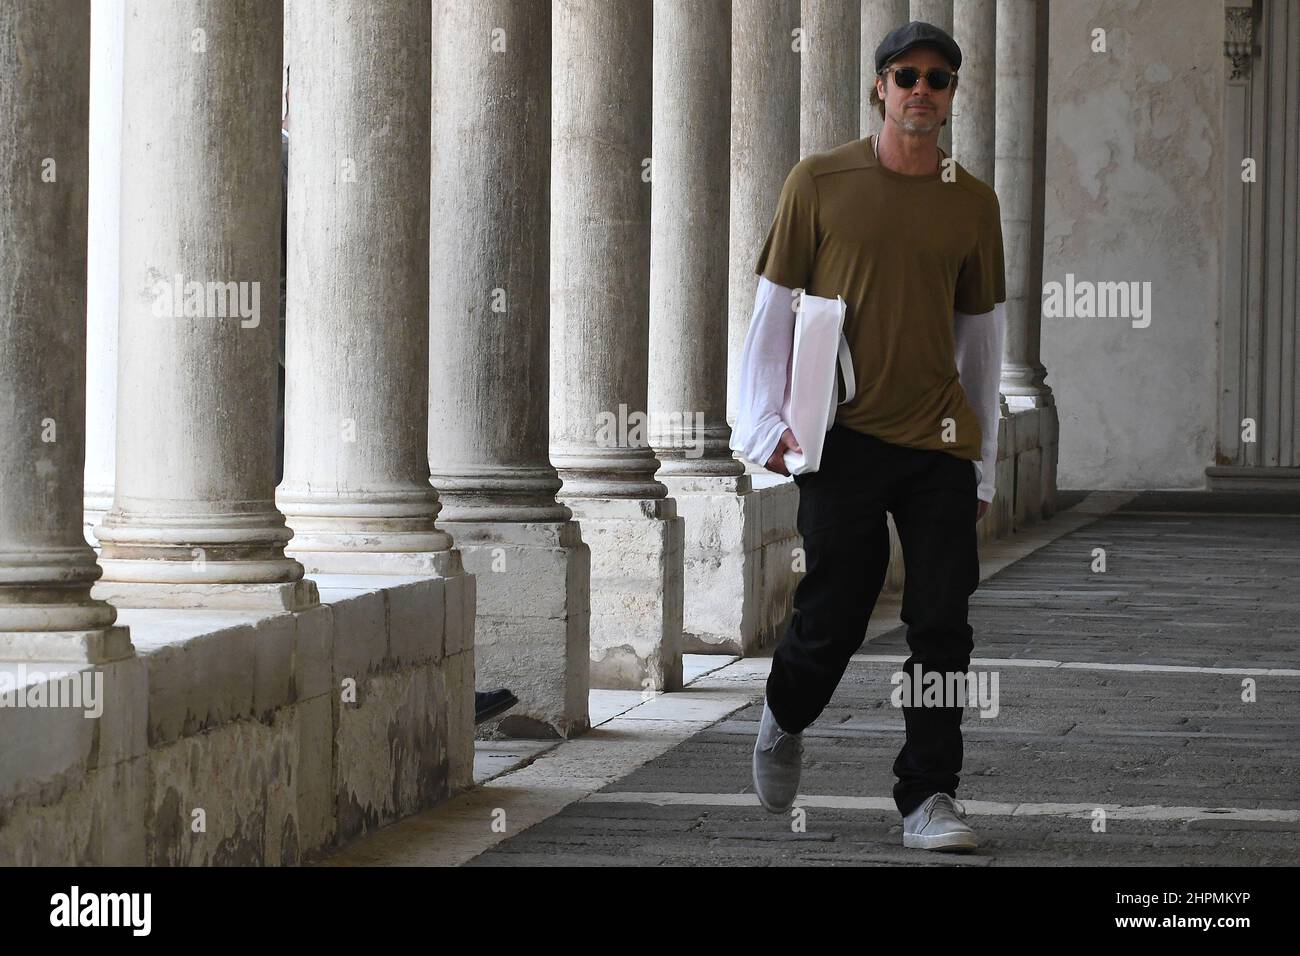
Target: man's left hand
983,508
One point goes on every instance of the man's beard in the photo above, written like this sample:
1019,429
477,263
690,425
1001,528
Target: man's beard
913,122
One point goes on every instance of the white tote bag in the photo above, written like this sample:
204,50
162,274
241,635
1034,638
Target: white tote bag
809,409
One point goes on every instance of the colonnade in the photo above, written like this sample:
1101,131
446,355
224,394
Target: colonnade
512,227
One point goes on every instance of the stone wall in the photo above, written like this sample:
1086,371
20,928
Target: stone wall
234,738
1133,194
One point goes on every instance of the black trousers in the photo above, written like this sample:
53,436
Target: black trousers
842,506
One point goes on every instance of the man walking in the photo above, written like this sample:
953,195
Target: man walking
913,243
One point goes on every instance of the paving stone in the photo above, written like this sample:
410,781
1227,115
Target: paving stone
1204,591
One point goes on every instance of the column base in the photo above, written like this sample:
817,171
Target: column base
636,591
778,500
1037,399
286,596
71,647
532,623
427,564
1049,430
94,509
723,563
1029,468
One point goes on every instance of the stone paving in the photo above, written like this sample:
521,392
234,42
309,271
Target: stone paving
1120,693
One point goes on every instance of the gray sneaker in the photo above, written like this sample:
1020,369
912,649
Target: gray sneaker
778,757
938,824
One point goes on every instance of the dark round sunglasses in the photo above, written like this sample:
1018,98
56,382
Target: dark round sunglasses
906,77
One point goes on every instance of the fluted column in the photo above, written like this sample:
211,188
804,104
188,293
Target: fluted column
600,268
830,74
974,114
108,22
46,566
356,487
194,521
939,13
764,147
489,271
879,17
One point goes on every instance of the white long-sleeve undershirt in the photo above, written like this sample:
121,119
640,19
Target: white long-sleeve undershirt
764,377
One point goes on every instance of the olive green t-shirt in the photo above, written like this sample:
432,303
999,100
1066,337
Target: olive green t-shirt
904,252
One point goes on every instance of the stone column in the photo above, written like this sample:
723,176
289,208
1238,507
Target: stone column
765,65
974,123
765,68
939,12
600,270
829,75
46,566
490,317
194,522
974,114
107,25
688,325
356,479
878,18
1021,157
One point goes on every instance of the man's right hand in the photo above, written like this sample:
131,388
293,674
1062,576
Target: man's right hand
777,462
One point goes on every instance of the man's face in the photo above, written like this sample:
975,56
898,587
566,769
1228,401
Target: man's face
919,110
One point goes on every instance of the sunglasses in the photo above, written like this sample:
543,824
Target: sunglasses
906,76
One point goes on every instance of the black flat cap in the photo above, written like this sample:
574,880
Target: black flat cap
913,34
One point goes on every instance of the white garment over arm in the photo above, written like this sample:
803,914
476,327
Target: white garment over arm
979,340
764,373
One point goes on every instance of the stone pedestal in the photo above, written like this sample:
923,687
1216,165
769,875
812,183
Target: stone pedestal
636,591
1049,430
723,563
532,621
780,550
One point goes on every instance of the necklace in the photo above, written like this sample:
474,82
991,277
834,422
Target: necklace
875,145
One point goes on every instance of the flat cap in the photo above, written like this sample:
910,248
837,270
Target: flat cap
913,34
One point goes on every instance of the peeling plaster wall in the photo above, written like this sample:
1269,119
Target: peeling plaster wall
1134,142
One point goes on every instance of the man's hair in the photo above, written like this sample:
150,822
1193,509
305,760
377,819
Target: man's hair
874,99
